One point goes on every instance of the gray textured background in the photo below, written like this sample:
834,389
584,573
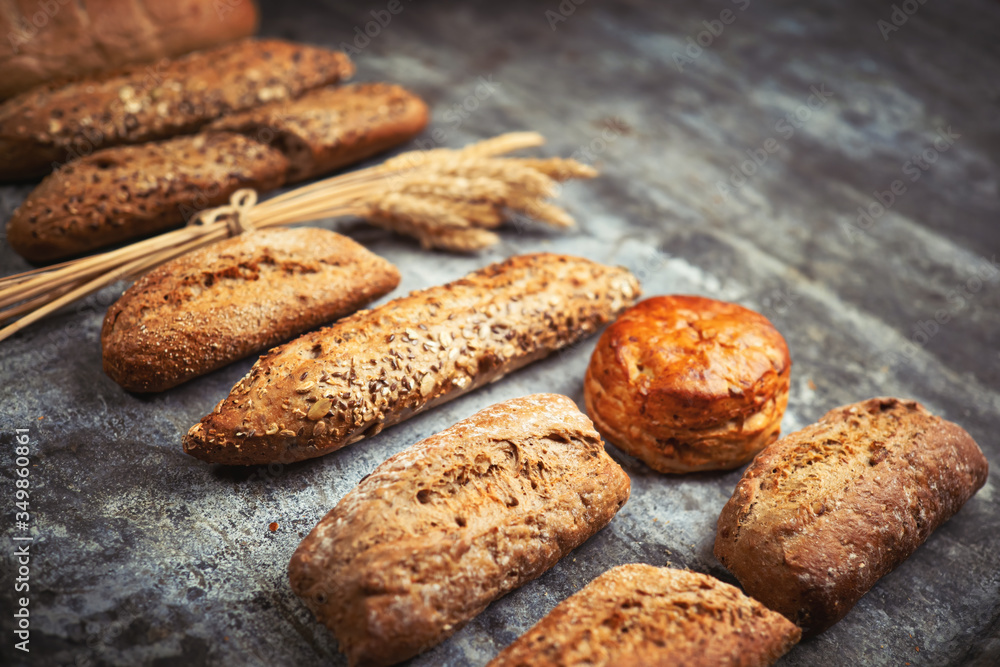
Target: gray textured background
146,556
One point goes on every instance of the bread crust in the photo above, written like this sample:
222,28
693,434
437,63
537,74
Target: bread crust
379,367
81,38
55,123
654,616
332,127
440,530
231,299
130,191
686,383
821,515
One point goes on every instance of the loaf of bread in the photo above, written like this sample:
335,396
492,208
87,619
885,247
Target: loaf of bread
128,191
333,127
54,124
442,529
61,39
230,299
654,616
687,383
336,386
824,513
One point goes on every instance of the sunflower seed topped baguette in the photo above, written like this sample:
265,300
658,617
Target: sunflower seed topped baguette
127,191
46,125
440,530
334,387
228,300
654,616
822,514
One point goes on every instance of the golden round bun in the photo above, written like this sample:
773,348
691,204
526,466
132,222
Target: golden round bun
687,383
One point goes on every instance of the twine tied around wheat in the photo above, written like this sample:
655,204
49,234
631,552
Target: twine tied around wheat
449,199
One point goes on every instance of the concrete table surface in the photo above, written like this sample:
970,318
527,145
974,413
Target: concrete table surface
749,152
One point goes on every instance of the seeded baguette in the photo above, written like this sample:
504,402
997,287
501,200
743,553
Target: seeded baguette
47,125
654,616
338,385
437,532
822,514
130,191
332,127
120,193
228,300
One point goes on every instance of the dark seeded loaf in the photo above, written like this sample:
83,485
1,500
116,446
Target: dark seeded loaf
132,191
437,532
336,386
644,616
52,124
822,514
231,299
129,191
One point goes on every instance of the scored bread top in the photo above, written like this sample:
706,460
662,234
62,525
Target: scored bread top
233,298
438,531
654,616
45,125
338,385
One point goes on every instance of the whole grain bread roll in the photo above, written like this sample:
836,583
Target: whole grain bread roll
129,191
332,127
440,530
822,514
338,385
60,39
687,383
54,124
644,616
233,298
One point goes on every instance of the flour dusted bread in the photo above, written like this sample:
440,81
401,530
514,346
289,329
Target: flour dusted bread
821,515
339,385
654,616
62,39
437,532
52,124
127,191
687,383
231,299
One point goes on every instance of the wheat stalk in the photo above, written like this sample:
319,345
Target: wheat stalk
446,198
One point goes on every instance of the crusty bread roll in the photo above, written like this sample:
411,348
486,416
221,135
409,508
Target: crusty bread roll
687,383
824,513
50,125
59,39
128,191
644,616
339,385
231,299
432,536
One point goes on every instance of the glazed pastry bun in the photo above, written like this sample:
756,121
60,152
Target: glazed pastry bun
686,383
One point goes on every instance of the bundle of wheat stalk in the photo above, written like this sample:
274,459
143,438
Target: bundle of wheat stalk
448,199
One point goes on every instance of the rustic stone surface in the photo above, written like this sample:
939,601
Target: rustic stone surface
143,555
